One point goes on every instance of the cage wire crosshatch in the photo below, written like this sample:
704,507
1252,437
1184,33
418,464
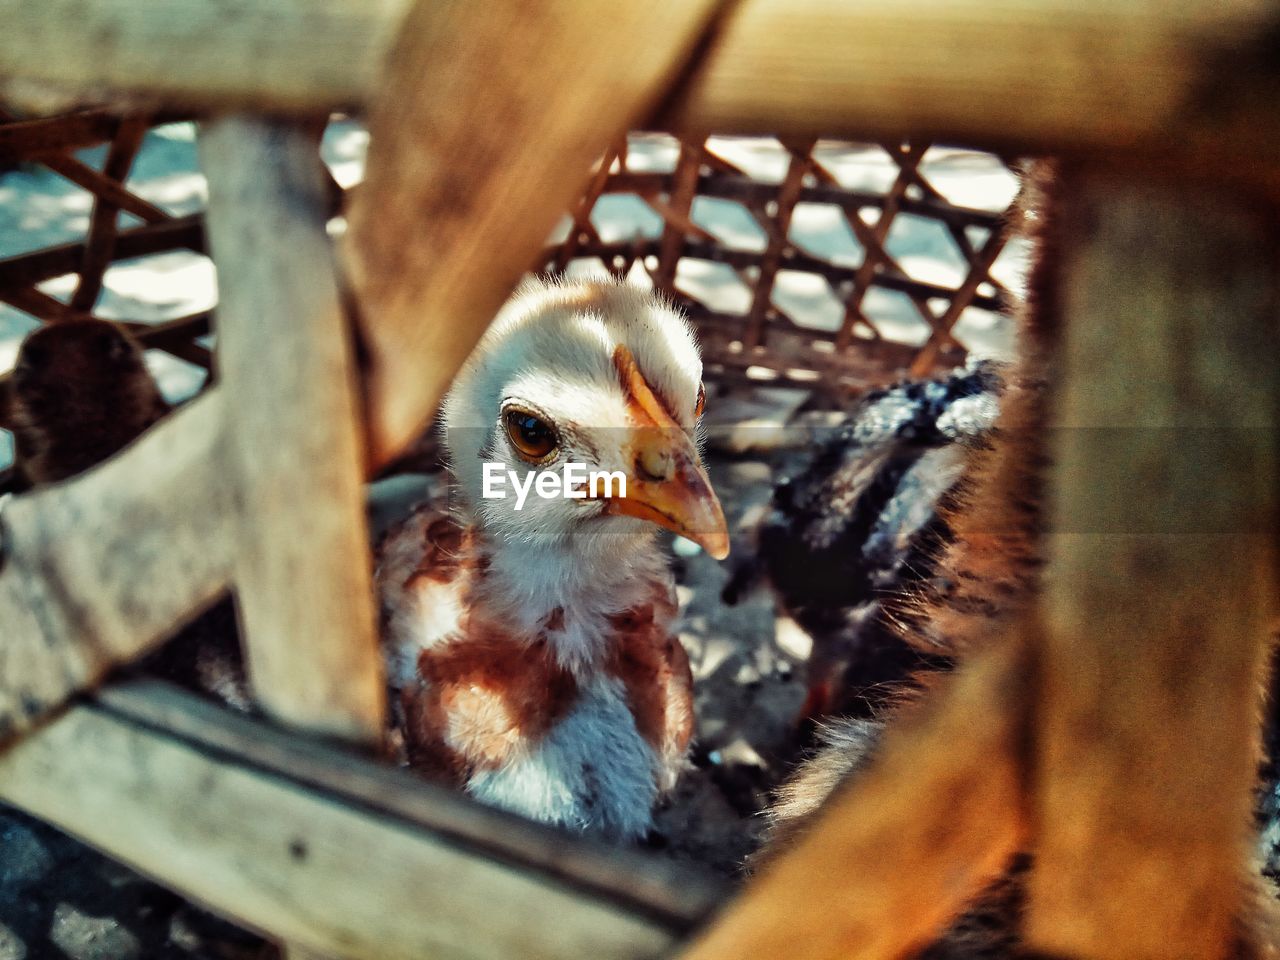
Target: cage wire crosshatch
807,259
782,259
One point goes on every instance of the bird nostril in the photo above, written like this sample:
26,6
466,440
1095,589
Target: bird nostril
655,464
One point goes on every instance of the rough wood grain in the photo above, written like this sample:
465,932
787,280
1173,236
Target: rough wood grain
1048,74
1043,74
99,569
303,576
333,872
676,895
485,132
277,54
1162,570
891,860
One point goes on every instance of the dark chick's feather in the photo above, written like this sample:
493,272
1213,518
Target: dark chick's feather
79,393
859,528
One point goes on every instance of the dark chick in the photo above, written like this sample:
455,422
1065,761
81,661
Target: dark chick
80,392
859,528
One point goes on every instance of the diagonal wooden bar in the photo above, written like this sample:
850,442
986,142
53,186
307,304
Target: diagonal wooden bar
487,129
85,176
684,186
1044,75
103,224
99,569
979,273
777,228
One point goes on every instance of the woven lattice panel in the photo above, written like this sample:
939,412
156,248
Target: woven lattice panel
789,257
52,143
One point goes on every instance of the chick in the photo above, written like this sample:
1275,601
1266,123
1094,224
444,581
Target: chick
530,643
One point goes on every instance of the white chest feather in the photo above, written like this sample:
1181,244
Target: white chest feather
592,772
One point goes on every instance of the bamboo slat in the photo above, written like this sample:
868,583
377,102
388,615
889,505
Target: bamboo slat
684,187
778,227
103,187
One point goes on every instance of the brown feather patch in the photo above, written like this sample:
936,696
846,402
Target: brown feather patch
486,695
655,674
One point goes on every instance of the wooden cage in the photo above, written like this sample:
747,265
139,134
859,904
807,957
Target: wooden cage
487,123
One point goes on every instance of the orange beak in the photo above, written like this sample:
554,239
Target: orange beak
666,484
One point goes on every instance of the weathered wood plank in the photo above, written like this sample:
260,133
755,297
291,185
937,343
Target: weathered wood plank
485,132
1163,568
333,868
303,578
675,895
99,569
1042,74
268,54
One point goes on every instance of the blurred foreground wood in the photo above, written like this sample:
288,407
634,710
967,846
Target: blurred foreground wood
303,568
1121,745
1112,734
901,852
1041,75
311,843
1161,587
485,136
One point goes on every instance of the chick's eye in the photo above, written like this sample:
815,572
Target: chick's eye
533,437
701,402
